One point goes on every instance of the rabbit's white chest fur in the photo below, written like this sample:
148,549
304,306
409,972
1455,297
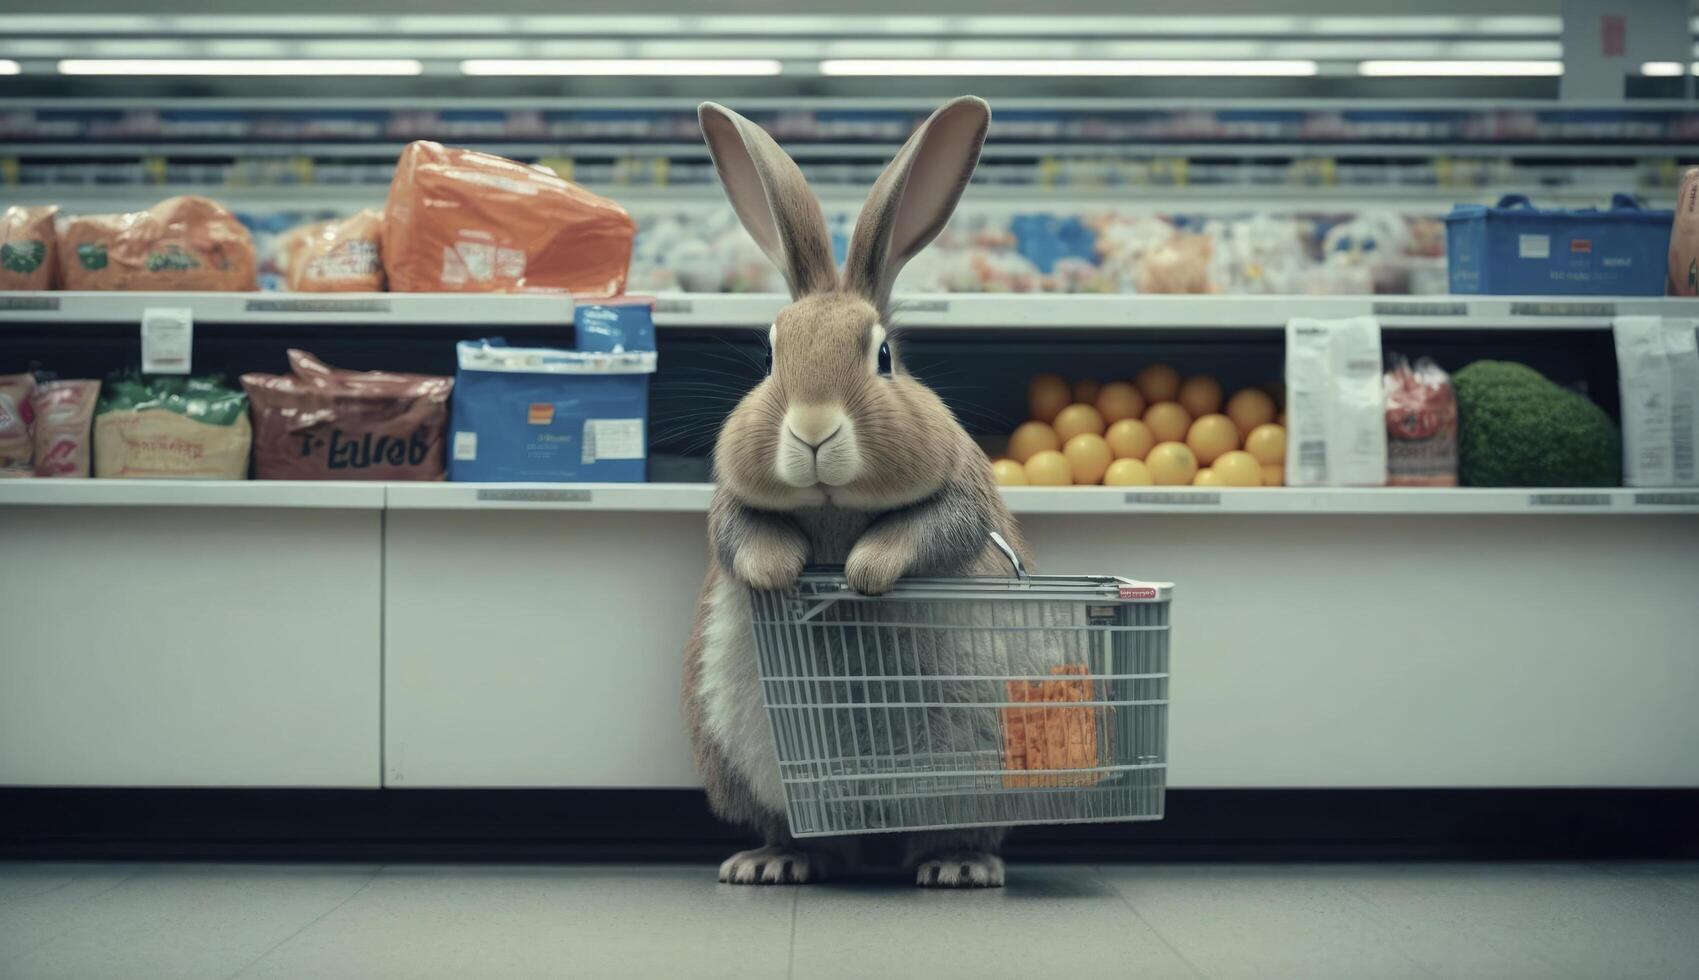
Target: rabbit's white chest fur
729,685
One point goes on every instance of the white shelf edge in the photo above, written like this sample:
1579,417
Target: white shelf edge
694,498
260,307
940,311
943,311
276,494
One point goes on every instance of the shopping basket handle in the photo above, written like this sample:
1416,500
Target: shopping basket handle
1009,553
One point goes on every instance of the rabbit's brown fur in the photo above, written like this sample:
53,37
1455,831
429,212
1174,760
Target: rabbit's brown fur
830,460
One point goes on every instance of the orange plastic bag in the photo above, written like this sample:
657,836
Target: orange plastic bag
464,221
27,248
335,256
1048,736
182,243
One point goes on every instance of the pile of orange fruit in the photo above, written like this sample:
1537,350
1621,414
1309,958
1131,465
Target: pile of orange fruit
1155,429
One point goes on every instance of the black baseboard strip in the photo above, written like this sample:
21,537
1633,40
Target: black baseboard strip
675,825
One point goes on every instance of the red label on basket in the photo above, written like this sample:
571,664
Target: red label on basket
1137,592
1581,245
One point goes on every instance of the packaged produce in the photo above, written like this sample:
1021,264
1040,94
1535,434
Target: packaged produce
63,411
1517,249
1518,429
1044,734
1421,425
28,248
1684,238
1335,403
320,423
527,414
183,243
463,221
17,425
172,428
342,256
1658,367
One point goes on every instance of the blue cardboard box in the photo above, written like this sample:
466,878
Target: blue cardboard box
1517,249
525,414
615,325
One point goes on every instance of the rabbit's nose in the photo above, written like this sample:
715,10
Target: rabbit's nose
815,446
814,425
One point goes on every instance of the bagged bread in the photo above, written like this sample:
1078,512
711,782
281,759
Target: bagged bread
182,243
17,425
28,246
1684,238
171,428
463,221
320,423
63,411
334,256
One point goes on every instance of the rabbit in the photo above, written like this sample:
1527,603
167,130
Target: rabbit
838,456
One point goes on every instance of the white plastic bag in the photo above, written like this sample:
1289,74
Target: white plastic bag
1658,368
1335,403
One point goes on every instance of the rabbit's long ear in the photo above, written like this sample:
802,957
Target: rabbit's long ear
915,196
771,198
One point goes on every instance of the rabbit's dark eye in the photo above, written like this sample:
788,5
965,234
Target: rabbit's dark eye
885,360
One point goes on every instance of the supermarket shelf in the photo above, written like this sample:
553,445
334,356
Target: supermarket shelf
366,309
1123,312
1197,198
316,495
938,311
694,497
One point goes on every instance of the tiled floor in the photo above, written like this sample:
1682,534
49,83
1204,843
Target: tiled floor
90,922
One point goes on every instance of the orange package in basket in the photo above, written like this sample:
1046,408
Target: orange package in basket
464,221
182,243
335,256
1044,736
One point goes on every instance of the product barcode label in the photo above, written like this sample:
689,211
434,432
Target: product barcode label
1569,500
29,303
466,446
1404,308
1681,445
1189,498
537,496
1668,499
316,306
1312,453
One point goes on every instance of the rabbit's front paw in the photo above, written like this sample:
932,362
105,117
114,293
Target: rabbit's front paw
769,563
874,566
963,869
770,865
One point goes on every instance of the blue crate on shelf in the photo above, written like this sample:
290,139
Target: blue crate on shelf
524,414
1518,249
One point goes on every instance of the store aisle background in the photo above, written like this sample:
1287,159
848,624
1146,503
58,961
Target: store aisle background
187,921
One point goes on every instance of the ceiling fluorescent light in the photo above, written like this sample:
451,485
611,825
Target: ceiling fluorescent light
1002,67
622,66
1667,69
1459,69
8,67
240,66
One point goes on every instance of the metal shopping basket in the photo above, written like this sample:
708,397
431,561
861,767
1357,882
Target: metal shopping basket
966,702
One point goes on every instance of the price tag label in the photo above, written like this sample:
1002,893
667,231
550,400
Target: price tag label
168,334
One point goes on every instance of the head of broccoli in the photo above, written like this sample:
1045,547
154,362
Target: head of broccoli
1518,429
